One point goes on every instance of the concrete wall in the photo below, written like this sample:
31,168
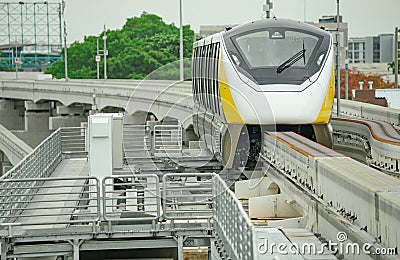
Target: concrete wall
10,117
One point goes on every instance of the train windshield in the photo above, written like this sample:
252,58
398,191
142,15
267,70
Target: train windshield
278,55
267,49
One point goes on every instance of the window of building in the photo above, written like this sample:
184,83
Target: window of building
356,46
356,55
350,55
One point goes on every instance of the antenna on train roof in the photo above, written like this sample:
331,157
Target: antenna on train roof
267,8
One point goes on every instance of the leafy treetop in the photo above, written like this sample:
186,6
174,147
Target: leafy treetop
143,45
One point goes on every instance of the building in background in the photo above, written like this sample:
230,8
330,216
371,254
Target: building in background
207,30
329,23
372,49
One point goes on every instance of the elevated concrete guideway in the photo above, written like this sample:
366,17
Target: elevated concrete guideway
12,146
162,98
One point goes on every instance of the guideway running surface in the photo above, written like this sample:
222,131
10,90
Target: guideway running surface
376,143
303,145
55,200
351,196
381,131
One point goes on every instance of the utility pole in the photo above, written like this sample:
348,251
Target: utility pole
98,59
337,60
267,8
396,57
180,43
105,52
65,43
16,61
346,94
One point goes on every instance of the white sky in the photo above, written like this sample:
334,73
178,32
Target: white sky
365,17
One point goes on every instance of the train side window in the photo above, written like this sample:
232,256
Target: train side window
201,84
203,79
211,77
205,76
216,71
195,73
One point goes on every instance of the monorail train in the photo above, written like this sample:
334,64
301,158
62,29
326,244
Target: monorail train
274,74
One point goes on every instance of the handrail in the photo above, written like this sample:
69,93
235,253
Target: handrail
369,111
232,225
14,144
187,195
138,195
40,162
49,201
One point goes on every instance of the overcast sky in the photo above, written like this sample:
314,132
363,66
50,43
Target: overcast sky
365,17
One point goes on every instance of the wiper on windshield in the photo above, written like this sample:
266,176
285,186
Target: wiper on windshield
295,58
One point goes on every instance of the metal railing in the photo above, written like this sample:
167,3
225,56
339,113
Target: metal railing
12,143
167,138
73,141
40,163
131,198
232,226
137,138
188,195
49,201
28,196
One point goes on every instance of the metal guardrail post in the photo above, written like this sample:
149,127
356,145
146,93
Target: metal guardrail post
186,197
238,239
167,138
131,193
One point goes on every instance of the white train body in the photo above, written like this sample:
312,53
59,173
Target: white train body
273,73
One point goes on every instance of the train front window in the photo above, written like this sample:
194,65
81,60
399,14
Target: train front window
278,55
273,48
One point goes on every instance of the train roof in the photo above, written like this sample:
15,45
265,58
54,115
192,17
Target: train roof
264,23
277,23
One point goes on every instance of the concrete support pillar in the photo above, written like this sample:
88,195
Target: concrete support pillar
5,164
4,248
36,125
180,247
76,244
138,118
67,116
10,116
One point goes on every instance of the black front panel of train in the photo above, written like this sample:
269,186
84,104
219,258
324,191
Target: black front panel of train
277,55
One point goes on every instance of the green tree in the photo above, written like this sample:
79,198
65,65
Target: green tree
143,45
391,66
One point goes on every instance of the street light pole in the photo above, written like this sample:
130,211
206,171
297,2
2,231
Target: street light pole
98,62
346,94
16,61
65,43
337,61
396,57
180,42
105,52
